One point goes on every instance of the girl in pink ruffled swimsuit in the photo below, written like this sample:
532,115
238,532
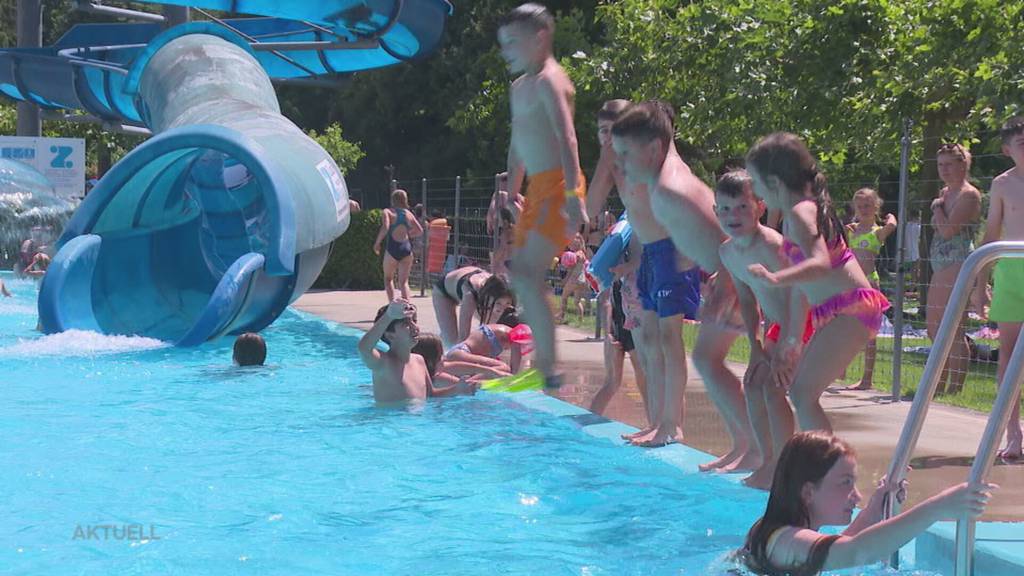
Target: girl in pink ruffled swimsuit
846,310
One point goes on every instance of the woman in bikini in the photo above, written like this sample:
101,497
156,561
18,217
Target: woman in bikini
866,241
955,215
846,311
463,292
815,485
398,226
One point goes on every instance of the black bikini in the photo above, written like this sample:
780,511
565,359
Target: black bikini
460,286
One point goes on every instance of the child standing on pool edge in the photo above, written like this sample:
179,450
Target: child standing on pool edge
543,148
846,311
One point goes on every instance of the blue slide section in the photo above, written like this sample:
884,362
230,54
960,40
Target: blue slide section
227,215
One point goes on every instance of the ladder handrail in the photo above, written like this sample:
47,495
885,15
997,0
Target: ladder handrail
941,346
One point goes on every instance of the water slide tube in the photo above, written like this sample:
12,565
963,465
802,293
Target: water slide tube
215,224
610,252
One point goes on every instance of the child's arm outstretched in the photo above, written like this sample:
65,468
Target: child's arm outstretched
805,234
461,368
882,539
461,387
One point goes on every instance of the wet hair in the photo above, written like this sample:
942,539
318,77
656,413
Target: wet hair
807,457
958,150
494,289
436,213
391,326
1011,128
510,317
249,350
613,109
400,199
870,193
646,121
733,183
786,157
535,16
431,348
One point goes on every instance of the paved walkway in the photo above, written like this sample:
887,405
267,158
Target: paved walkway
866,419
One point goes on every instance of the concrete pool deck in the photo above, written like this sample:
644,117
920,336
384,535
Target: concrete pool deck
868,420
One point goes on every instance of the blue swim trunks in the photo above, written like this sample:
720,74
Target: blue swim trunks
664,288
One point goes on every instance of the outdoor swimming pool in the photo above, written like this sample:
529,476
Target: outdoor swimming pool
208,469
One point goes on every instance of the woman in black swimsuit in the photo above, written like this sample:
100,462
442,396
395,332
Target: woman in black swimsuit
397,226
471,289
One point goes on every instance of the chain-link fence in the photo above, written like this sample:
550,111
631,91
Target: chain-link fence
917,279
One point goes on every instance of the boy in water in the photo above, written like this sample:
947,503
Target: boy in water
249,350
684,206
398,374
543,148
1006,222
668,286
773,358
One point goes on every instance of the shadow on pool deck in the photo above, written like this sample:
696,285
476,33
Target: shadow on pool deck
867,419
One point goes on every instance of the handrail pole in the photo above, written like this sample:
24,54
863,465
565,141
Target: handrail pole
941,347
986,455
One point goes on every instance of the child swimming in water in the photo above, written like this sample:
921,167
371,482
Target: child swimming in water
249,350
815,485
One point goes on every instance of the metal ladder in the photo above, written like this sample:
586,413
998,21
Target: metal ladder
983,460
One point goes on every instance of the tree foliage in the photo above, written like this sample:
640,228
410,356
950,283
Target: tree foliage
346,154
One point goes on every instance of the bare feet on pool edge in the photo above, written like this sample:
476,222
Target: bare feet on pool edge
748,462
658,437
761,478
722,461
638,433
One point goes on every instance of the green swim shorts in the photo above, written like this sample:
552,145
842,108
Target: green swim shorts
1008,292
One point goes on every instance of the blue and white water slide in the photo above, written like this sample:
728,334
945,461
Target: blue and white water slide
224,217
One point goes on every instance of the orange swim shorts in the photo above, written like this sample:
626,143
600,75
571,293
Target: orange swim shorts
545,197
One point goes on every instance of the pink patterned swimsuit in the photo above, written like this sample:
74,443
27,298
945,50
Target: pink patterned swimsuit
865,304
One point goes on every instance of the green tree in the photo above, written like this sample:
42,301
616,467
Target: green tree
346,154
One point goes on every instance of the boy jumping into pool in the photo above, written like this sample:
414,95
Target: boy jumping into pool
1005,223
398,374
773,358
643,139
542,149
668,286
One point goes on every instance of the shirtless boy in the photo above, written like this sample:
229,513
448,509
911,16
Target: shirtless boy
669,287
1006,222
543,149
684,206
773,357
398,374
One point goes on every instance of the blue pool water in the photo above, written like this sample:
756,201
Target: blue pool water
290,469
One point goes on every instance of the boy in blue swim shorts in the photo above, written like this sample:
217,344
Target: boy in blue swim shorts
669,284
